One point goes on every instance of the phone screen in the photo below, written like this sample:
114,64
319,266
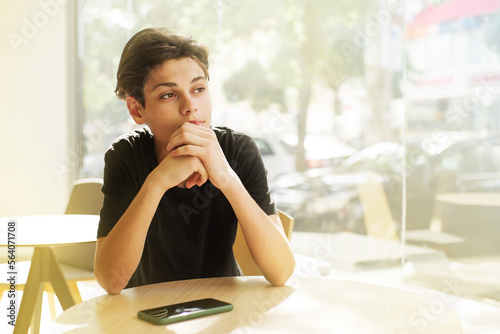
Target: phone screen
184,311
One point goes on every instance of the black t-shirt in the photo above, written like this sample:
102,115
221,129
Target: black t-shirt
193,230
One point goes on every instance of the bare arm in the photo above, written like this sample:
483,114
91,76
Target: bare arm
118,254
264,234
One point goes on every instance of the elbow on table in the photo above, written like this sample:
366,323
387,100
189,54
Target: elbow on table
112,289
112,285
280,278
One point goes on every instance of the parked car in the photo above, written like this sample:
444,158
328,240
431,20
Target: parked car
321,151
321,200
327,199
278,157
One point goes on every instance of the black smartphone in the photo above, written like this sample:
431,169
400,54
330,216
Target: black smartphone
184,311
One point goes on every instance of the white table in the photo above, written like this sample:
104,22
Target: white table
43,232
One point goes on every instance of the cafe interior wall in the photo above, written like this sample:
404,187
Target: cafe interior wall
35,168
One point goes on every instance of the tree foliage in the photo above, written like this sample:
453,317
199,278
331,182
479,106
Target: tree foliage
251,83
307,50
289,45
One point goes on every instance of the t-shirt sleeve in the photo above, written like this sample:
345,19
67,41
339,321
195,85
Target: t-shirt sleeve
119,188
252,172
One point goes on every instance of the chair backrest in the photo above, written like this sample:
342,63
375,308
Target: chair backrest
242,253
377,214
86,199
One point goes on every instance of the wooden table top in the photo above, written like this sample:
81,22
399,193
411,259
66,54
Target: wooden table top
47,230
304,305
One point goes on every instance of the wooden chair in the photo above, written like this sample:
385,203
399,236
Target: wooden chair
86,197
76,261
377,214
379,222
242,253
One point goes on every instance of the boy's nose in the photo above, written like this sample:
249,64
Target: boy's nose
188,105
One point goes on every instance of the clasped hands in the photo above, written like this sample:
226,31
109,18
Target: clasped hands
194,157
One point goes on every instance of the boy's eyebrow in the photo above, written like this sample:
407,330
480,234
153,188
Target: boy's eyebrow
173,84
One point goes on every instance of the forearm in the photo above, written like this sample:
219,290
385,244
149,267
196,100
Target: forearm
265,238
118,254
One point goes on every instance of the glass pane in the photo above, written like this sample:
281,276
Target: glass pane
453,122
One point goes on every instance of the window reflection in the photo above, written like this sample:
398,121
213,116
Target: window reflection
452,97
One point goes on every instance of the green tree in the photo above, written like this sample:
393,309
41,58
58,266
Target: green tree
306,49
251,83
337,68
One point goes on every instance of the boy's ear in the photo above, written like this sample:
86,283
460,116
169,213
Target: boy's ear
134,109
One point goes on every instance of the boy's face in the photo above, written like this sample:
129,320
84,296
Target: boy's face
175,92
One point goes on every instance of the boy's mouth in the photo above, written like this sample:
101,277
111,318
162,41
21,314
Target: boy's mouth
197,122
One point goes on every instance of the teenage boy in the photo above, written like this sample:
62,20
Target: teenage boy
175,190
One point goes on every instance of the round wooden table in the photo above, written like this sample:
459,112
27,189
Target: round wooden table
303,305
474,217
486,199
43,232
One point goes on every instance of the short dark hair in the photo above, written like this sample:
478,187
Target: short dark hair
148,49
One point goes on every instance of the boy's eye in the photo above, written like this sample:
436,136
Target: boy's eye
199,89
167,96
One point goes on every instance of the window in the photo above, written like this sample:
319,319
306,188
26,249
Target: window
291,71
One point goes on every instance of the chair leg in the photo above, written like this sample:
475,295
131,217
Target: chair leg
51,296
28,308
52,300
37,315
73,287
